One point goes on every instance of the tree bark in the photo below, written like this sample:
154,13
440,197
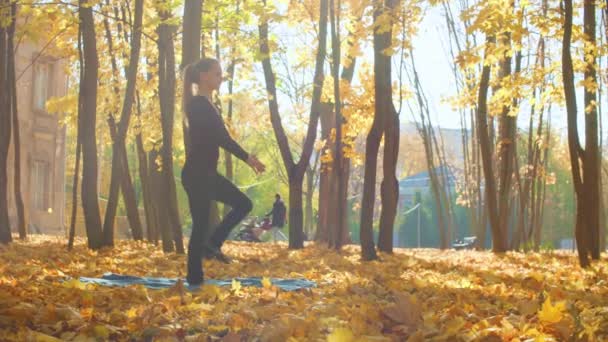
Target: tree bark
372,144
577,154
5,135
72,231
12,84
591,155
87,114
389,189
295,171
166,73
120,175
145,178
327,122
507,147
498,240
191,43
157,191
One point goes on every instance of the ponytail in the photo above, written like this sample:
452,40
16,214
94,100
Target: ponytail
192,76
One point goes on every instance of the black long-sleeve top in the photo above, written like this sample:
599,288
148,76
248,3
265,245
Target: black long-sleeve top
207,133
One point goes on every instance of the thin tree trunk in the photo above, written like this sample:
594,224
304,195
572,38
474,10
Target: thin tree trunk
591,162
295,171
120,170
191,44
485,143
144,176
507,146
166,88
372,145
582,235
389,188
327,220
5,135
87,114
322,233
72,232
21,224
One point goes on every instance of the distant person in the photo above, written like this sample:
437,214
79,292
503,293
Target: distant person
278,217
206,134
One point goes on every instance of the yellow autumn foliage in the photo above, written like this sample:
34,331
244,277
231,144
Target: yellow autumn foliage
414,294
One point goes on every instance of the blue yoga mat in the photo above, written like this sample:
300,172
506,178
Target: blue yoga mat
112,279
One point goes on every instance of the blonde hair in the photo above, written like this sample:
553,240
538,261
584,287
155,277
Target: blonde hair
192,75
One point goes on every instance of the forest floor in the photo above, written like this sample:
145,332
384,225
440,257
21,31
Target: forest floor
411,295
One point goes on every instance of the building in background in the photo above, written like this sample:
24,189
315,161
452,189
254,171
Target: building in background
43,141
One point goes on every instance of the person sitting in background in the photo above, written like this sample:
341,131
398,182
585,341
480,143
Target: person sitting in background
278,217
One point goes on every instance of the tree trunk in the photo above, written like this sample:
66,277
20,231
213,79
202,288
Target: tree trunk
327,122
157,191
145,178
72,232
583,228
590,160
191,43
372,145
310,189
389,189
295,171
120,170
5,135
507,147
499,244
338,159
21,224
166,88
87,114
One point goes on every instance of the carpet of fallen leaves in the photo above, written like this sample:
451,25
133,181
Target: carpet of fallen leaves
412,295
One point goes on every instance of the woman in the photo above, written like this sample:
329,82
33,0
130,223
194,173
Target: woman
206,134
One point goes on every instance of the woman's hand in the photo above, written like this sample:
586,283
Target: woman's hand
255,164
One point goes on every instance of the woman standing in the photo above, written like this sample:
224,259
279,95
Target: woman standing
206,134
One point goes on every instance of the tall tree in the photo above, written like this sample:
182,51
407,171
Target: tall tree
191,41
389,188
584,162
382,39
507,142
87,113
166,87
295,171
5,124
338,185
485,143
120,170
12,83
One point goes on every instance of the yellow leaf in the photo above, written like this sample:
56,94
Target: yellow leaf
341,335
74,284
236,286
266,282
551,313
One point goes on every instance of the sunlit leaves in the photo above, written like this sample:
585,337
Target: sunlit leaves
414,295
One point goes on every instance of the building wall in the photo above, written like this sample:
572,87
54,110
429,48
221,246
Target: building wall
42,142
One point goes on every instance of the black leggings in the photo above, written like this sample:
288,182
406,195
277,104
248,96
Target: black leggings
201,190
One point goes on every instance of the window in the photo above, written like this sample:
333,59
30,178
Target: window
40,185
42,83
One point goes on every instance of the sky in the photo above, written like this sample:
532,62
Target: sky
433,63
